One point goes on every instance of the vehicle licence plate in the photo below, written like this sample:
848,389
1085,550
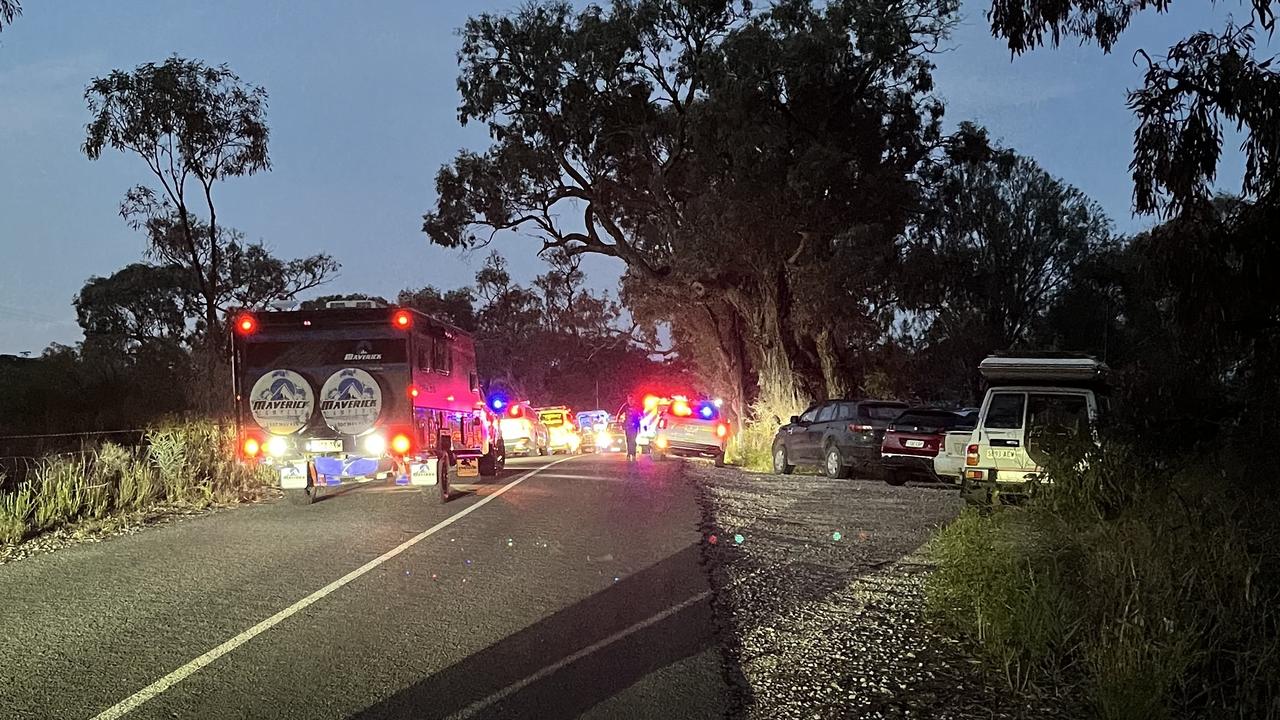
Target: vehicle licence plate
324,446
913,443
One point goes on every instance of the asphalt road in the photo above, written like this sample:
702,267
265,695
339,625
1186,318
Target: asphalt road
576,592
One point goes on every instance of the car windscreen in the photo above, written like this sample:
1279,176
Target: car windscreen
927,421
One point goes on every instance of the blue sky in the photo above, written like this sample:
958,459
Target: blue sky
363,112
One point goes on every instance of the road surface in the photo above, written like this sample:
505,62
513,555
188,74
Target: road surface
575,591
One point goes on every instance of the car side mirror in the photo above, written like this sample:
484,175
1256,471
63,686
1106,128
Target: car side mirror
795,419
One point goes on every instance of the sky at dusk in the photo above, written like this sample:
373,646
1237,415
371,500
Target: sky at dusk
363,112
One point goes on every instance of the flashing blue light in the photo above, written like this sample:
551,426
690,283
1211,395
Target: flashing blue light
497,402
707,411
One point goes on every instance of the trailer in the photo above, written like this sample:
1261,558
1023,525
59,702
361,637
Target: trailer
349,395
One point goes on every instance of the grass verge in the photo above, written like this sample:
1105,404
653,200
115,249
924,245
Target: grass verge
191,465
1151,589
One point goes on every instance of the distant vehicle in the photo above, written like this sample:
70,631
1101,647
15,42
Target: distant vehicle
1031,403
840,436
948,464
609,440
593,420
915,440
563,435
353,394
523,432
688,429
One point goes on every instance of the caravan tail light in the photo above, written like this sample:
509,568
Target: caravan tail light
246,324
400,444
402,320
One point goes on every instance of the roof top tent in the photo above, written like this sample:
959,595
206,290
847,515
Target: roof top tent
1071,370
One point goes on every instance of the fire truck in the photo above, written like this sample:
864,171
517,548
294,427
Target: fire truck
353,394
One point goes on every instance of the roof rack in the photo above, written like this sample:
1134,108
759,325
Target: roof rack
1052,367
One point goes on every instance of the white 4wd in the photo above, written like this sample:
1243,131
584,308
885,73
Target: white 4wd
1031,402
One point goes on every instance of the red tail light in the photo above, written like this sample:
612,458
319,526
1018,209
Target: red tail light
246,323
971,455
860,428
722,430
413,391
251,447
402,319
400,444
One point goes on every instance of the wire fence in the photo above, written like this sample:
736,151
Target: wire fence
21,454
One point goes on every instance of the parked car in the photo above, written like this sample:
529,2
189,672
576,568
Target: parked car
948,464
915,440
1031,403
840,436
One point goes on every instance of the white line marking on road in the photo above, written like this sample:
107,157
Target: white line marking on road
515,687
182,673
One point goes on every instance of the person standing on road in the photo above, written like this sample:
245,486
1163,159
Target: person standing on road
629,419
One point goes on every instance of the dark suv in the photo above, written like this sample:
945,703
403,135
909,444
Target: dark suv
839,436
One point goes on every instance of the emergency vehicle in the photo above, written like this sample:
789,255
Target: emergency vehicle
523,432
563,436
688,429
355,394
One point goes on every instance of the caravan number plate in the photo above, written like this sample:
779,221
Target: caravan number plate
324,446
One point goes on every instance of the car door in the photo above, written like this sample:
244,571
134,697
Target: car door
1001,435
797,441
816,433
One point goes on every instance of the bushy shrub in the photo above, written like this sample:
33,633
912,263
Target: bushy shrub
777,402
1153,586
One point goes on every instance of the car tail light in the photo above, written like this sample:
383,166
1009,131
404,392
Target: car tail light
722,430
860,428
246,323
402,319
251,447
971,455
413,391
400,444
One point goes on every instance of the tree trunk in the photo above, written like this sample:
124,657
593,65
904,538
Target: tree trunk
833,378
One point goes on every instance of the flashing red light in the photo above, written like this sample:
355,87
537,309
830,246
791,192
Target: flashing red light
680,408
400,444
413,391
246,324
251,447
650,402
515,411
722,430
402,319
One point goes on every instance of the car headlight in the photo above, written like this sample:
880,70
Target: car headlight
277,446
375,444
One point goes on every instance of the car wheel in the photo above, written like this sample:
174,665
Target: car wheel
833,464
719,460
489,463
780,464
895,478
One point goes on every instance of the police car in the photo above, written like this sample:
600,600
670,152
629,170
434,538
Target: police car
687,429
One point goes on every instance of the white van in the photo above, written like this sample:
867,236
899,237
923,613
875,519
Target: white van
1030,401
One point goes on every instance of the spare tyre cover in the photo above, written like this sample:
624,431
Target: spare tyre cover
281,402
351,401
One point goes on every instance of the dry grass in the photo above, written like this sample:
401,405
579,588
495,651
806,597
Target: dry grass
188,465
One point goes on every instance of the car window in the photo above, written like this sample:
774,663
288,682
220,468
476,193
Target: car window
828,413
848,411
810,415
884,412
1005,411
1057,414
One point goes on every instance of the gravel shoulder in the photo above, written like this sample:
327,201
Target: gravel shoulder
819,601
